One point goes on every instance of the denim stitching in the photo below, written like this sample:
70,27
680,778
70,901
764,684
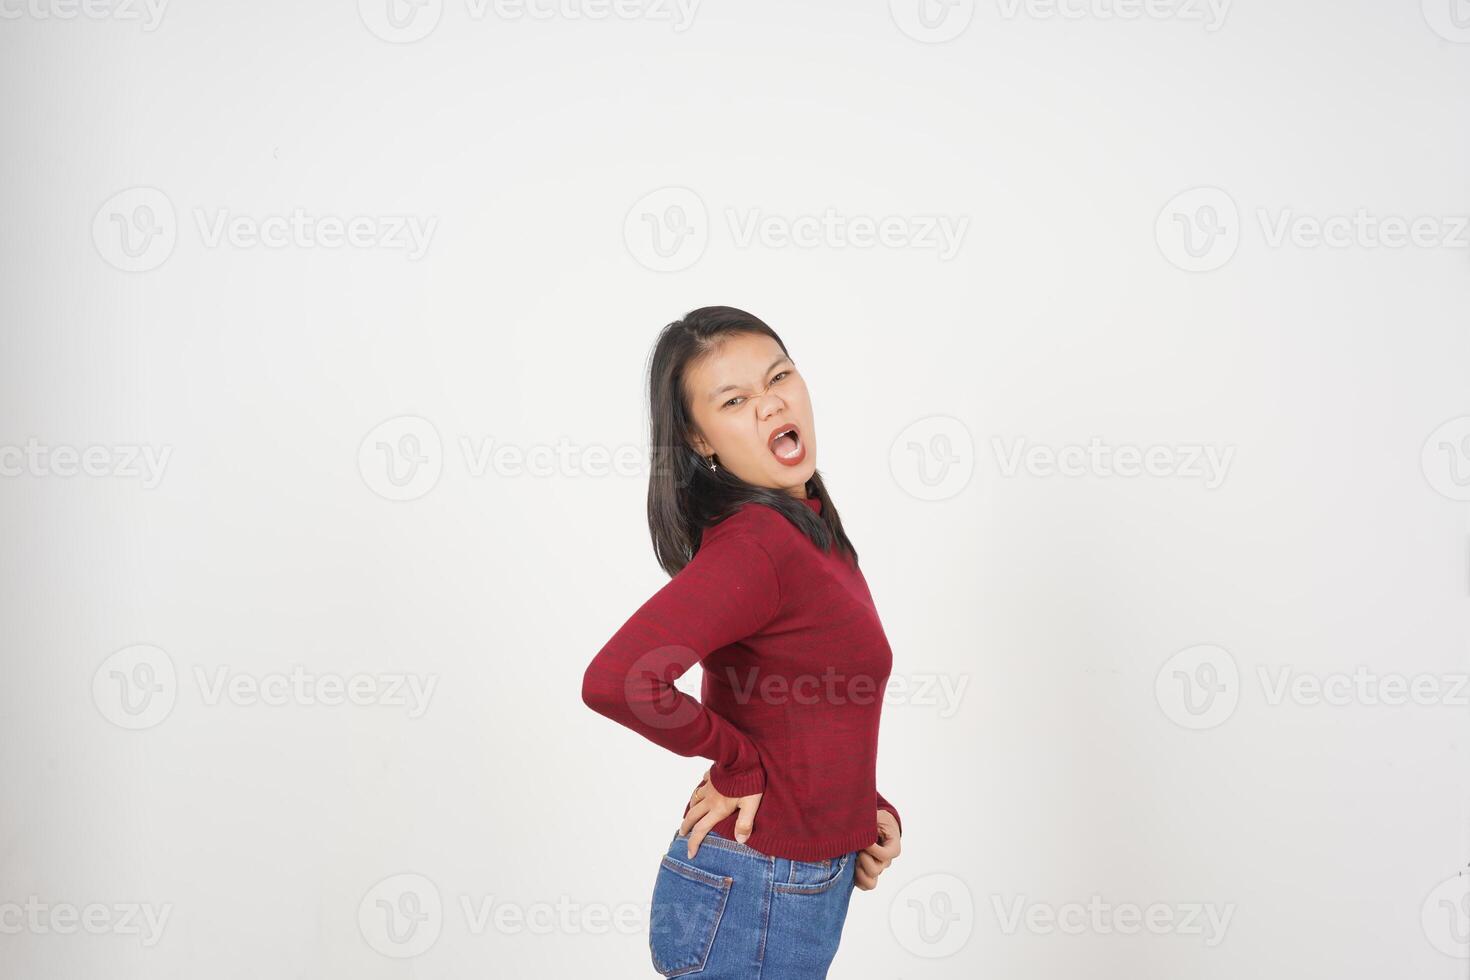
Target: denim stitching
697,874
822,872
712,841
816,887
768,881
723,886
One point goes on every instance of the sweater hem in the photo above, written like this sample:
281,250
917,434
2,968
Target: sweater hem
797,849
736,785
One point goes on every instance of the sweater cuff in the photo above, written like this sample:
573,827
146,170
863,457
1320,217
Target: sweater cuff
745,783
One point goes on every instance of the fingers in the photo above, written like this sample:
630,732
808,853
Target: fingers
745,821
697,810
868,868
707,808
884,851
873,866
874,859
701,828
697,805
700,791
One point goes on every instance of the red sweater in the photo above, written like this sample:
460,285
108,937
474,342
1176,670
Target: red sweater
795,663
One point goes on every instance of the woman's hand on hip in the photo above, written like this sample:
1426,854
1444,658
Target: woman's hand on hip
707,808
874,859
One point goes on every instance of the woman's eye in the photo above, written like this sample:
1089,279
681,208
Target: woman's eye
778,377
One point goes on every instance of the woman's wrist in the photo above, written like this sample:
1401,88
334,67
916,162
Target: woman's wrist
746,782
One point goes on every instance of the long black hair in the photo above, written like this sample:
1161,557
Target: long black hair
684,495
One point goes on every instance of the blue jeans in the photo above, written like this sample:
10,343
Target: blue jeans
733,913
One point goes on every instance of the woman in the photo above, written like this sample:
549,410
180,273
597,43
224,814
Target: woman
767,596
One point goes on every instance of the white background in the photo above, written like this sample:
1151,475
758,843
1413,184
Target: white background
1071,765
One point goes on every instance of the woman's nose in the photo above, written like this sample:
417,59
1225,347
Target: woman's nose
770,405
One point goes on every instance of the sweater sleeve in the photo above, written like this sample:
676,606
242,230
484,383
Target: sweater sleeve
727,591
885,805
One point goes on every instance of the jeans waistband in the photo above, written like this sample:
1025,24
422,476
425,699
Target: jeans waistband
712,839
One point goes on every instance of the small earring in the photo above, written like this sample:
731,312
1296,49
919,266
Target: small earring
711,461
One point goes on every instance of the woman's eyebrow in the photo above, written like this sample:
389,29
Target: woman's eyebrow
724,388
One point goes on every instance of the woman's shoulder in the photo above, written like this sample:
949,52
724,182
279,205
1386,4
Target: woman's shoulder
761,522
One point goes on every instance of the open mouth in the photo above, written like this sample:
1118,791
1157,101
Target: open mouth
786,445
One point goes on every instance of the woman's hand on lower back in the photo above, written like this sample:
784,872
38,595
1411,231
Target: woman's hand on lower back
708,807
874,859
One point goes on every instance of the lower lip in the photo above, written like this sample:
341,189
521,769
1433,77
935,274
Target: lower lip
794,460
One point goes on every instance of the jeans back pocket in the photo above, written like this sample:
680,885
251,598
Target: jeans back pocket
687,905
813,877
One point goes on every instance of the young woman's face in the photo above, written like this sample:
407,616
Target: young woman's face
741,396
